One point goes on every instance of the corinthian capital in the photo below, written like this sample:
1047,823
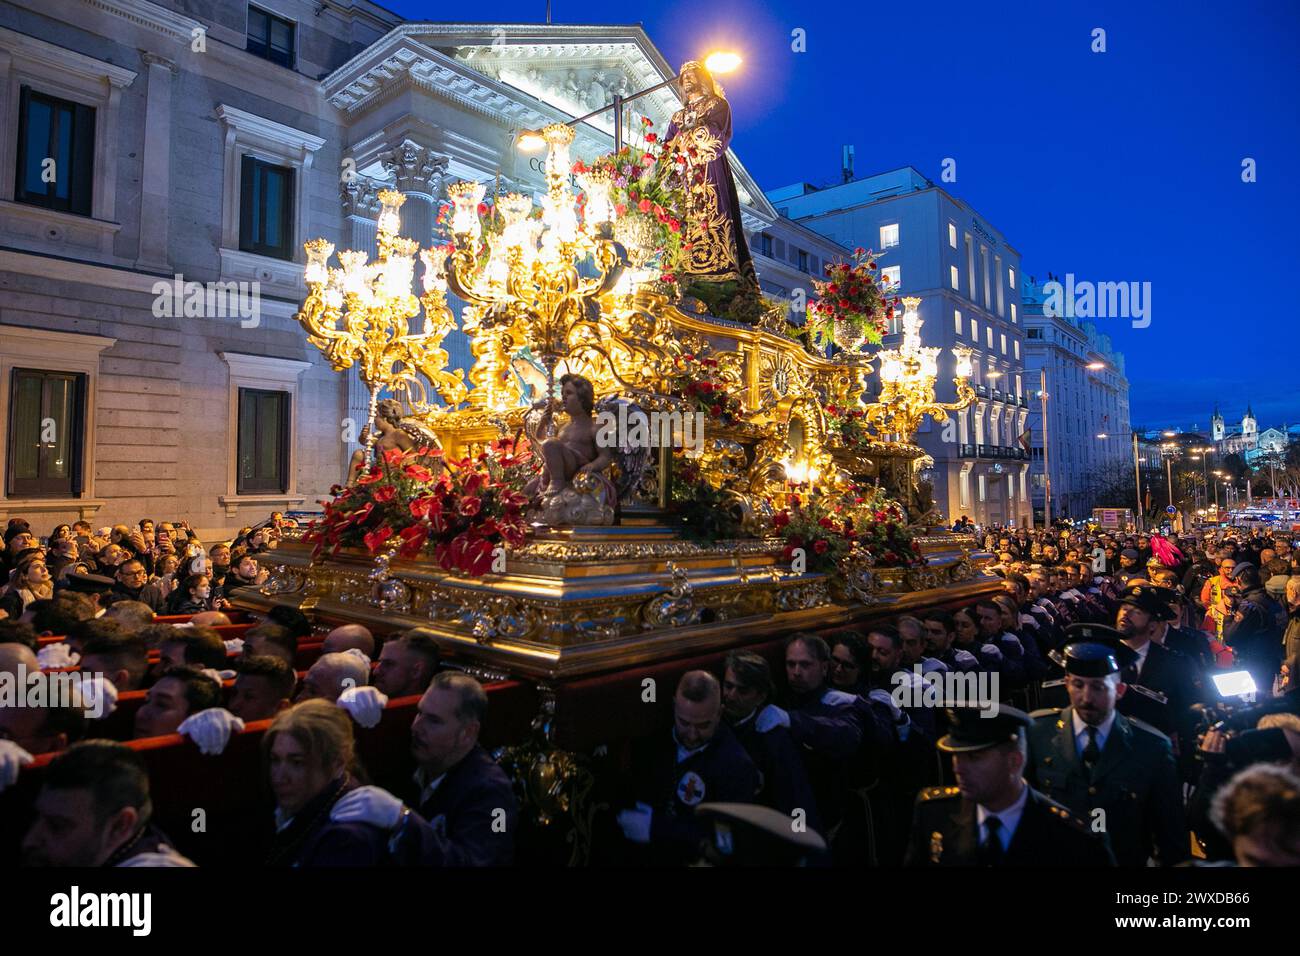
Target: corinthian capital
415,168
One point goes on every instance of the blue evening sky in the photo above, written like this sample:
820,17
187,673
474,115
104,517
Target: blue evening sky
1116,166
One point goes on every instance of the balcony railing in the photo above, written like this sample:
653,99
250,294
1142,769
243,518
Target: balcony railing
1005,452
982,391
997,394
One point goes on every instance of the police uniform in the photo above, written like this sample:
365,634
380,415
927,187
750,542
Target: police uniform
1132,778
950,830
1158,669
783,779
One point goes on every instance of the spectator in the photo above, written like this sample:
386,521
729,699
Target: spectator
30,579
192,597
94,810
1259,812
61,614
129,582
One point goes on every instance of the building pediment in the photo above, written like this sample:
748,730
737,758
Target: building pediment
524,76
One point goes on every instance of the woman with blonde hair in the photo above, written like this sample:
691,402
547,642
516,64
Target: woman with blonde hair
310,758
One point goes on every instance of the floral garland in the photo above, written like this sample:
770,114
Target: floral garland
849,425
882,531
853,307
829,529
702,509
695,384
459,513
814,526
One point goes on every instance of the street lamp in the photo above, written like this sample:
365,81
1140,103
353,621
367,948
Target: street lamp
717,62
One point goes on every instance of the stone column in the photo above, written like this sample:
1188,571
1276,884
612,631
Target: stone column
155,173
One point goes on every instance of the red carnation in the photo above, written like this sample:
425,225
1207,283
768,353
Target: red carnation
821,547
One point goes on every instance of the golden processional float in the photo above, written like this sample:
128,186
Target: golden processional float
795,506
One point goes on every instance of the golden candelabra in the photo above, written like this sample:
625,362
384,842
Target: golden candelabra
541,282
907,376
359,313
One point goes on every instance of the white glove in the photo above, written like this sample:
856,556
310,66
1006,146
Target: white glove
12,759
235,645
769,717
358,654
992,650
636,823
371,805
882,696
57,655
214,674
365,705
211,729
97,694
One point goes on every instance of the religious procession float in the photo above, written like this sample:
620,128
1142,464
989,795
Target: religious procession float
649,464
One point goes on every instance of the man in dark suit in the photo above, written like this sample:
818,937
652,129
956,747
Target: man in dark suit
700,760
1143,617
993,817
1116,772
465,811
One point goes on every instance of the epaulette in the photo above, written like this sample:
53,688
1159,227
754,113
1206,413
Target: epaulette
1139,724
1045,712
1061,813
939,793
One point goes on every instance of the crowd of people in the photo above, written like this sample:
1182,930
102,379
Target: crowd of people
1096,710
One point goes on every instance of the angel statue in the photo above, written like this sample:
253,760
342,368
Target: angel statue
718,268
572,488
395,430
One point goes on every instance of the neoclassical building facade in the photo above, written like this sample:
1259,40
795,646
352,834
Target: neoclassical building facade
161,165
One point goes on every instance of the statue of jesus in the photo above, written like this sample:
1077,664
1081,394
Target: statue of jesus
717,268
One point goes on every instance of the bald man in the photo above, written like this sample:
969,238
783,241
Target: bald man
700,761
331,675
349,636
210,619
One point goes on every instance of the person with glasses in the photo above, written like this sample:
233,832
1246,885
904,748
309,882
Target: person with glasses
850,664
1214,596
132,584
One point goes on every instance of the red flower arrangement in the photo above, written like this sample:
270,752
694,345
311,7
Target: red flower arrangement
853,307
459,513
697,385
849,424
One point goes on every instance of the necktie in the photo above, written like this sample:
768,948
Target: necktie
1091,752
992,852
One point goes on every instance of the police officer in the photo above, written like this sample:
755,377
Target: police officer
1143,615
1115,771
702,760
993,817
